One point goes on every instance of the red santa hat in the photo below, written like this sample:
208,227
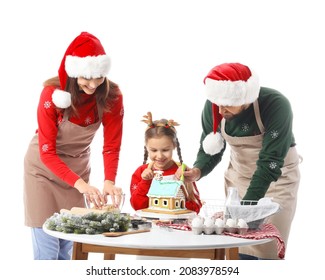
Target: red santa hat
85,57
228,84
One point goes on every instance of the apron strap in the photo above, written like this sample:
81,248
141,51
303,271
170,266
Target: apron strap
65,115
258,116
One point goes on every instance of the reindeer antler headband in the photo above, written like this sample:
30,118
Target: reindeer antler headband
151,124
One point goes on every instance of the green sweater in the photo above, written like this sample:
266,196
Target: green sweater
276,115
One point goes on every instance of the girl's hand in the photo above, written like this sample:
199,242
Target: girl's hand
148,173
179,173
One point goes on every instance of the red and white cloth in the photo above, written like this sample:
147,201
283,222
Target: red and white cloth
170,224
267,231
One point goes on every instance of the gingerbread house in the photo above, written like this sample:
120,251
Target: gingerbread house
167,195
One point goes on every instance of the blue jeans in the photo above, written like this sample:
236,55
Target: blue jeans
47,247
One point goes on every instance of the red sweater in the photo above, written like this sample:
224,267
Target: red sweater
139,189
49,118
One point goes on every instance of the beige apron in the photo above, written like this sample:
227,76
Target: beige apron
243,156
44,192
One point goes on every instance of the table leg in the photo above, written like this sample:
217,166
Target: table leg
108,256
77,253
232,253
219,254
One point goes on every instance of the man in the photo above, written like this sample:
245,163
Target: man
256,122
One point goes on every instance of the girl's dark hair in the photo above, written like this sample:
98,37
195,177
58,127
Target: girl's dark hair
159,129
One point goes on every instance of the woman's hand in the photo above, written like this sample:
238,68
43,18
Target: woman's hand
91,193
115,192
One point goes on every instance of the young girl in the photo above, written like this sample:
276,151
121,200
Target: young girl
160,142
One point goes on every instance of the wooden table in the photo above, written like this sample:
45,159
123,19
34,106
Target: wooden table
158,242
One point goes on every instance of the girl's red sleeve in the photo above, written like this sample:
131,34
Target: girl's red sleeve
197,204
47,118
191,205
139,189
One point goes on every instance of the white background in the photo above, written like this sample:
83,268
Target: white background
161,51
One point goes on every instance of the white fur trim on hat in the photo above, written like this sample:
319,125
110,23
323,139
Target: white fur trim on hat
213,143
232,93
89,67
61,99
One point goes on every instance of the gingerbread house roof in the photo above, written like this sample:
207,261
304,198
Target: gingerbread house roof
166,188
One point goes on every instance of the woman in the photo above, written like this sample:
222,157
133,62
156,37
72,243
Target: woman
72,107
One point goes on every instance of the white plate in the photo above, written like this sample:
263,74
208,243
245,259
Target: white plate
161,216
